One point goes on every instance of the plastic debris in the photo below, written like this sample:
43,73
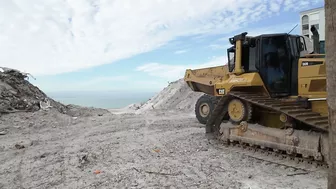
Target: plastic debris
45,105
97,172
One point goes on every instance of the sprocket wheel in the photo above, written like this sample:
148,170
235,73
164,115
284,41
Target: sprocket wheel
239,111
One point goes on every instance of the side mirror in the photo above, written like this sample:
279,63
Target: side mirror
301,42
301,47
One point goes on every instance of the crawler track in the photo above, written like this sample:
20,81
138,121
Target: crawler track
299,158
276,158
293,109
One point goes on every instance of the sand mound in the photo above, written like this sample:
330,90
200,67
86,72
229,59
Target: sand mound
19,95
176,96
133,106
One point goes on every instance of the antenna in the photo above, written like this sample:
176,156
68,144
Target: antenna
293,28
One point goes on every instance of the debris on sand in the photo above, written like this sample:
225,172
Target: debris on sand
19,95
25,74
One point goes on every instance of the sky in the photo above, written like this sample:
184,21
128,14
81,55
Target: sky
130,45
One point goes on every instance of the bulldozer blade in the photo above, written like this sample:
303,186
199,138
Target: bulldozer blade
293,142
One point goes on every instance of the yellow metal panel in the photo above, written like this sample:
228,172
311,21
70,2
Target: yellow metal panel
245,80
307,84
311,71
312,78
206,76
320,107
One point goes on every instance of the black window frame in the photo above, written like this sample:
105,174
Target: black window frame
231,65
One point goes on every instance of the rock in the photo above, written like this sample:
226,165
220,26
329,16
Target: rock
43,156
83,159
19,146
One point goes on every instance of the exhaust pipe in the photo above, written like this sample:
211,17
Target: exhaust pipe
316,39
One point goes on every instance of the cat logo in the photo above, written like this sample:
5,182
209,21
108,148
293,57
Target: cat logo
305,64
311,63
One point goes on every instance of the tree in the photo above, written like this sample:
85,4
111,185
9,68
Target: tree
330,15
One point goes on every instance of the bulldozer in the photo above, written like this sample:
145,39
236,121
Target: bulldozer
271,94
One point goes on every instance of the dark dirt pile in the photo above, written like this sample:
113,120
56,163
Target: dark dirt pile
19,95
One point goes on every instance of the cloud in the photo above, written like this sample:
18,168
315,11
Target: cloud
174,72
275,5
223,42
219,46
181,51
298,5
279,28
52,37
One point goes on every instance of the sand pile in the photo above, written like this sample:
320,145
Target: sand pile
176,96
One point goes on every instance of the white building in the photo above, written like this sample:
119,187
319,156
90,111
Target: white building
314,17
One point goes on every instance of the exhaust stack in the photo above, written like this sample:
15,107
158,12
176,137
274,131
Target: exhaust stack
316,39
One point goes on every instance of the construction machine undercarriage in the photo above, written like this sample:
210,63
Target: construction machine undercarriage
294,131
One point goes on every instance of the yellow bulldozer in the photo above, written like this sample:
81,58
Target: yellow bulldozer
270,95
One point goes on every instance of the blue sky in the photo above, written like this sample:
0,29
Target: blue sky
131,46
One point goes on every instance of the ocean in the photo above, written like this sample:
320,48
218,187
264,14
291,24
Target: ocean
106,99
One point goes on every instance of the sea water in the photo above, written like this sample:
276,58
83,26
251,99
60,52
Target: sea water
101,99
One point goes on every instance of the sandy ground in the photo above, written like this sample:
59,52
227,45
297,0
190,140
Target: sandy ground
158,149
157,144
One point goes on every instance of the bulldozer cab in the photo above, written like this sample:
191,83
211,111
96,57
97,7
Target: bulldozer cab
274,56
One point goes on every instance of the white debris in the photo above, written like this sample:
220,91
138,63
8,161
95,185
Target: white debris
45,105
